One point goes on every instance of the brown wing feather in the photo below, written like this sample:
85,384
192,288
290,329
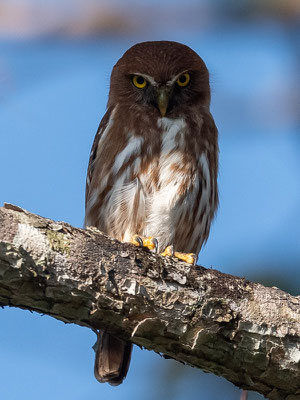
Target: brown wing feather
113,354
93,154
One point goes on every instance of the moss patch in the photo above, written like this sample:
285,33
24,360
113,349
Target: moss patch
58,242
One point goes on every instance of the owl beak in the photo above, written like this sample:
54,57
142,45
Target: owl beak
163,100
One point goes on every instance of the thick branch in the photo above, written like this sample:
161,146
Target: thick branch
240,330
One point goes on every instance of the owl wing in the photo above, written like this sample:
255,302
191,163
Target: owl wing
101,128
113,355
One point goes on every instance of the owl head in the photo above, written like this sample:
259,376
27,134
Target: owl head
163,77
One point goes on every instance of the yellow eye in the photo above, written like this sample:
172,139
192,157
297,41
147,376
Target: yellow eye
183,80
139,81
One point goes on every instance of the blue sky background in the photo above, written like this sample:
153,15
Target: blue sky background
53,93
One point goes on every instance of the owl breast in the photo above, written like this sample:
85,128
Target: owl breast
165,193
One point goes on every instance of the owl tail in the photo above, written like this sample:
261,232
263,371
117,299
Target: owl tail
112,359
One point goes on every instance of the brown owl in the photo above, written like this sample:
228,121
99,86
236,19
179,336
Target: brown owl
152,175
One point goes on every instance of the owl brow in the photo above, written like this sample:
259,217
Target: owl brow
174,79
148,78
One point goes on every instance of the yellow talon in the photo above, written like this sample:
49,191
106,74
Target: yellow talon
169,252
189,258
136,240
151,244
148,242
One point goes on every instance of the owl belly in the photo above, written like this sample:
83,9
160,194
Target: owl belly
170,198
166,201
179,211
149,208
174,209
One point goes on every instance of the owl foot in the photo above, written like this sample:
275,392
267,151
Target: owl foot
189,258
149,242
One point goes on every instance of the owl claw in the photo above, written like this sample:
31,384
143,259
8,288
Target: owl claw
136,240
155,243
150,243
189,258
169,251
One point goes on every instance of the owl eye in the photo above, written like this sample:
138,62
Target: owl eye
183,80
139,81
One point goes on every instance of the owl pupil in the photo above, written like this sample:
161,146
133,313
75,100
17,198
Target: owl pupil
182,79
140,80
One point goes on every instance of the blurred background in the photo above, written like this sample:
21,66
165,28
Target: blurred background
55,62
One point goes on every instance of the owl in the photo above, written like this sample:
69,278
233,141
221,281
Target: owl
152,174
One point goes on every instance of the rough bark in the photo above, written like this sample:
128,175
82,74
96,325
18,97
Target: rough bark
223,324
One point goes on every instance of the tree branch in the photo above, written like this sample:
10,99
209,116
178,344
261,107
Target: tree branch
240,330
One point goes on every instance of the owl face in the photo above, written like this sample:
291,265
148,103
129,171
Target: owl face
162,78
